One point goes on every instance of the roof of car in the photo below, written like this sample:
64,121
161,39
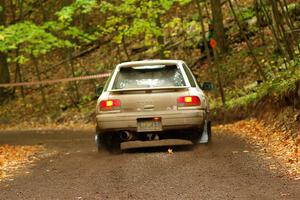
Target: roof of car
149,62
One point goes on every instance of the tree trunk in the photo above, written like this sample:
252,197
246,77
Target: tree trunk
206,6
249,44
74,86
275,34
259,21
12,10
18,76
125,48
207,51
219,32
220,82
4,71
203,31
281,29
38,75
285,12
160,40
4,74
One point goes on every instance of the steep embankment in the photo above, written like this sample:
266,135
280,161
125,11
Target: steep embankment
271,123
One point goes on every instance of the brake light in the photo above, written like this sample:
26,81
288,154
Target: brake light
112,104
188,101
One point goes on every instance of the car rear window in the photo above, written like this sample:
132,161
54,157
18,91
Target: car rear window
151,76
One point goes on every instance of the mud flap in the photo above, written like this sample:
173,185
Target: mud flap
205,137
96,138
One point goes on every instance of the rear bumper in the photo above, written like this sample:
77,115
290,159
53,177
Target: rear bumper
171,120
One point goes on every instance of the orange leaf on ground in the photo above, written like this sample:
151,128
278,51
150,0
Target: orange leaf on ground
15,157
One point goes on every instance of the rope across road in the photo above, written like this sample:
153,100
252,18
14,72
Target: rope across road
49,82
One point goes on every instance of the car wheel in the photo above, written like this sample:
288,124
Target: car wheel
195,136
115,144
101,142
108,142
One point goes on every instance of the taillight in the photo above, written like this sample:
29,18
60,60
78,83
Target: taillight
112,104
188,101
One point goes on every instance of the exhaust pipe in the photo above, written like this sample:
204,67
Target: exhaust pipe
126,136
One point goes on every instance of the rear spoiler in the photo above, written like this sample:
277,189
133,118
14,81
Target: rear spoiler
148,89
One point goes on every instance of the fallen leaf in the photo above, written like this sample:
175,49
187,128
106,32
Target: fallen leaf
284,194
170,151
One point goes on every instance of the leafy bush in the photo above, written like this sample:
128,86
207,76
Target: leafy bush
247,13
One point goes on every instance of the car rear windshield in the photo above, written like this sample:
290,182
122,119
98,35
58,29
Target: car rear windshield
148,77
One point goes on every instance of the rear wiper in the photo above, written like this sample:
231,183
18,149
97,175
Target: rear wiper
148,89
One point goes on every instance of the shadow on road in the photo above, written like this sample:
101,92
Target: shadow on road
160,149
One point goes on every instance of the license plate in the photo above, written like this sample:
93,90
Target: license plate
147,125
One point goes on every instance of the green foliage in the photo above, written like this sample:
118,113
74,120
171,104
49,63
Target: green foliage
184,2
293,6
33,39
242,101
83,6
128,19
86,99
143,17
247,13
134,19
70,32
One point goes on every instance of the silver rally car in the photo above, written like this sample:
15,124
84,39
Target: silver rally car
152,100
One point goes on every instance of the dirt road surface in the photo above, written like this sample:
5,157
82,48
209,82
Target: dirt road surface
228,168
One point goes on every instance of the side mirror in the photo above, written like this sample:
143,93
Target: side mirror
207,86
99,90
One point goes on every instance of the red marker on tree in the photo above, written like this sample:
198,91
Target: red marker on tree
213,43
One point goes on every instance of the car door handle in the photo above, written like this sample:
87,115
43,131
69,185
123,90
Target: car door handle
148,107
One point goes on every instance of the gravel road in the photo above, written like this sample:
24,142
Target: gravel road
228,168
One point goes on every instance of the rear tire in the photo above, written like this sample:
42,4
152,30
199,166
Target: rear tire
195,136
108,142
115,144
101,142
